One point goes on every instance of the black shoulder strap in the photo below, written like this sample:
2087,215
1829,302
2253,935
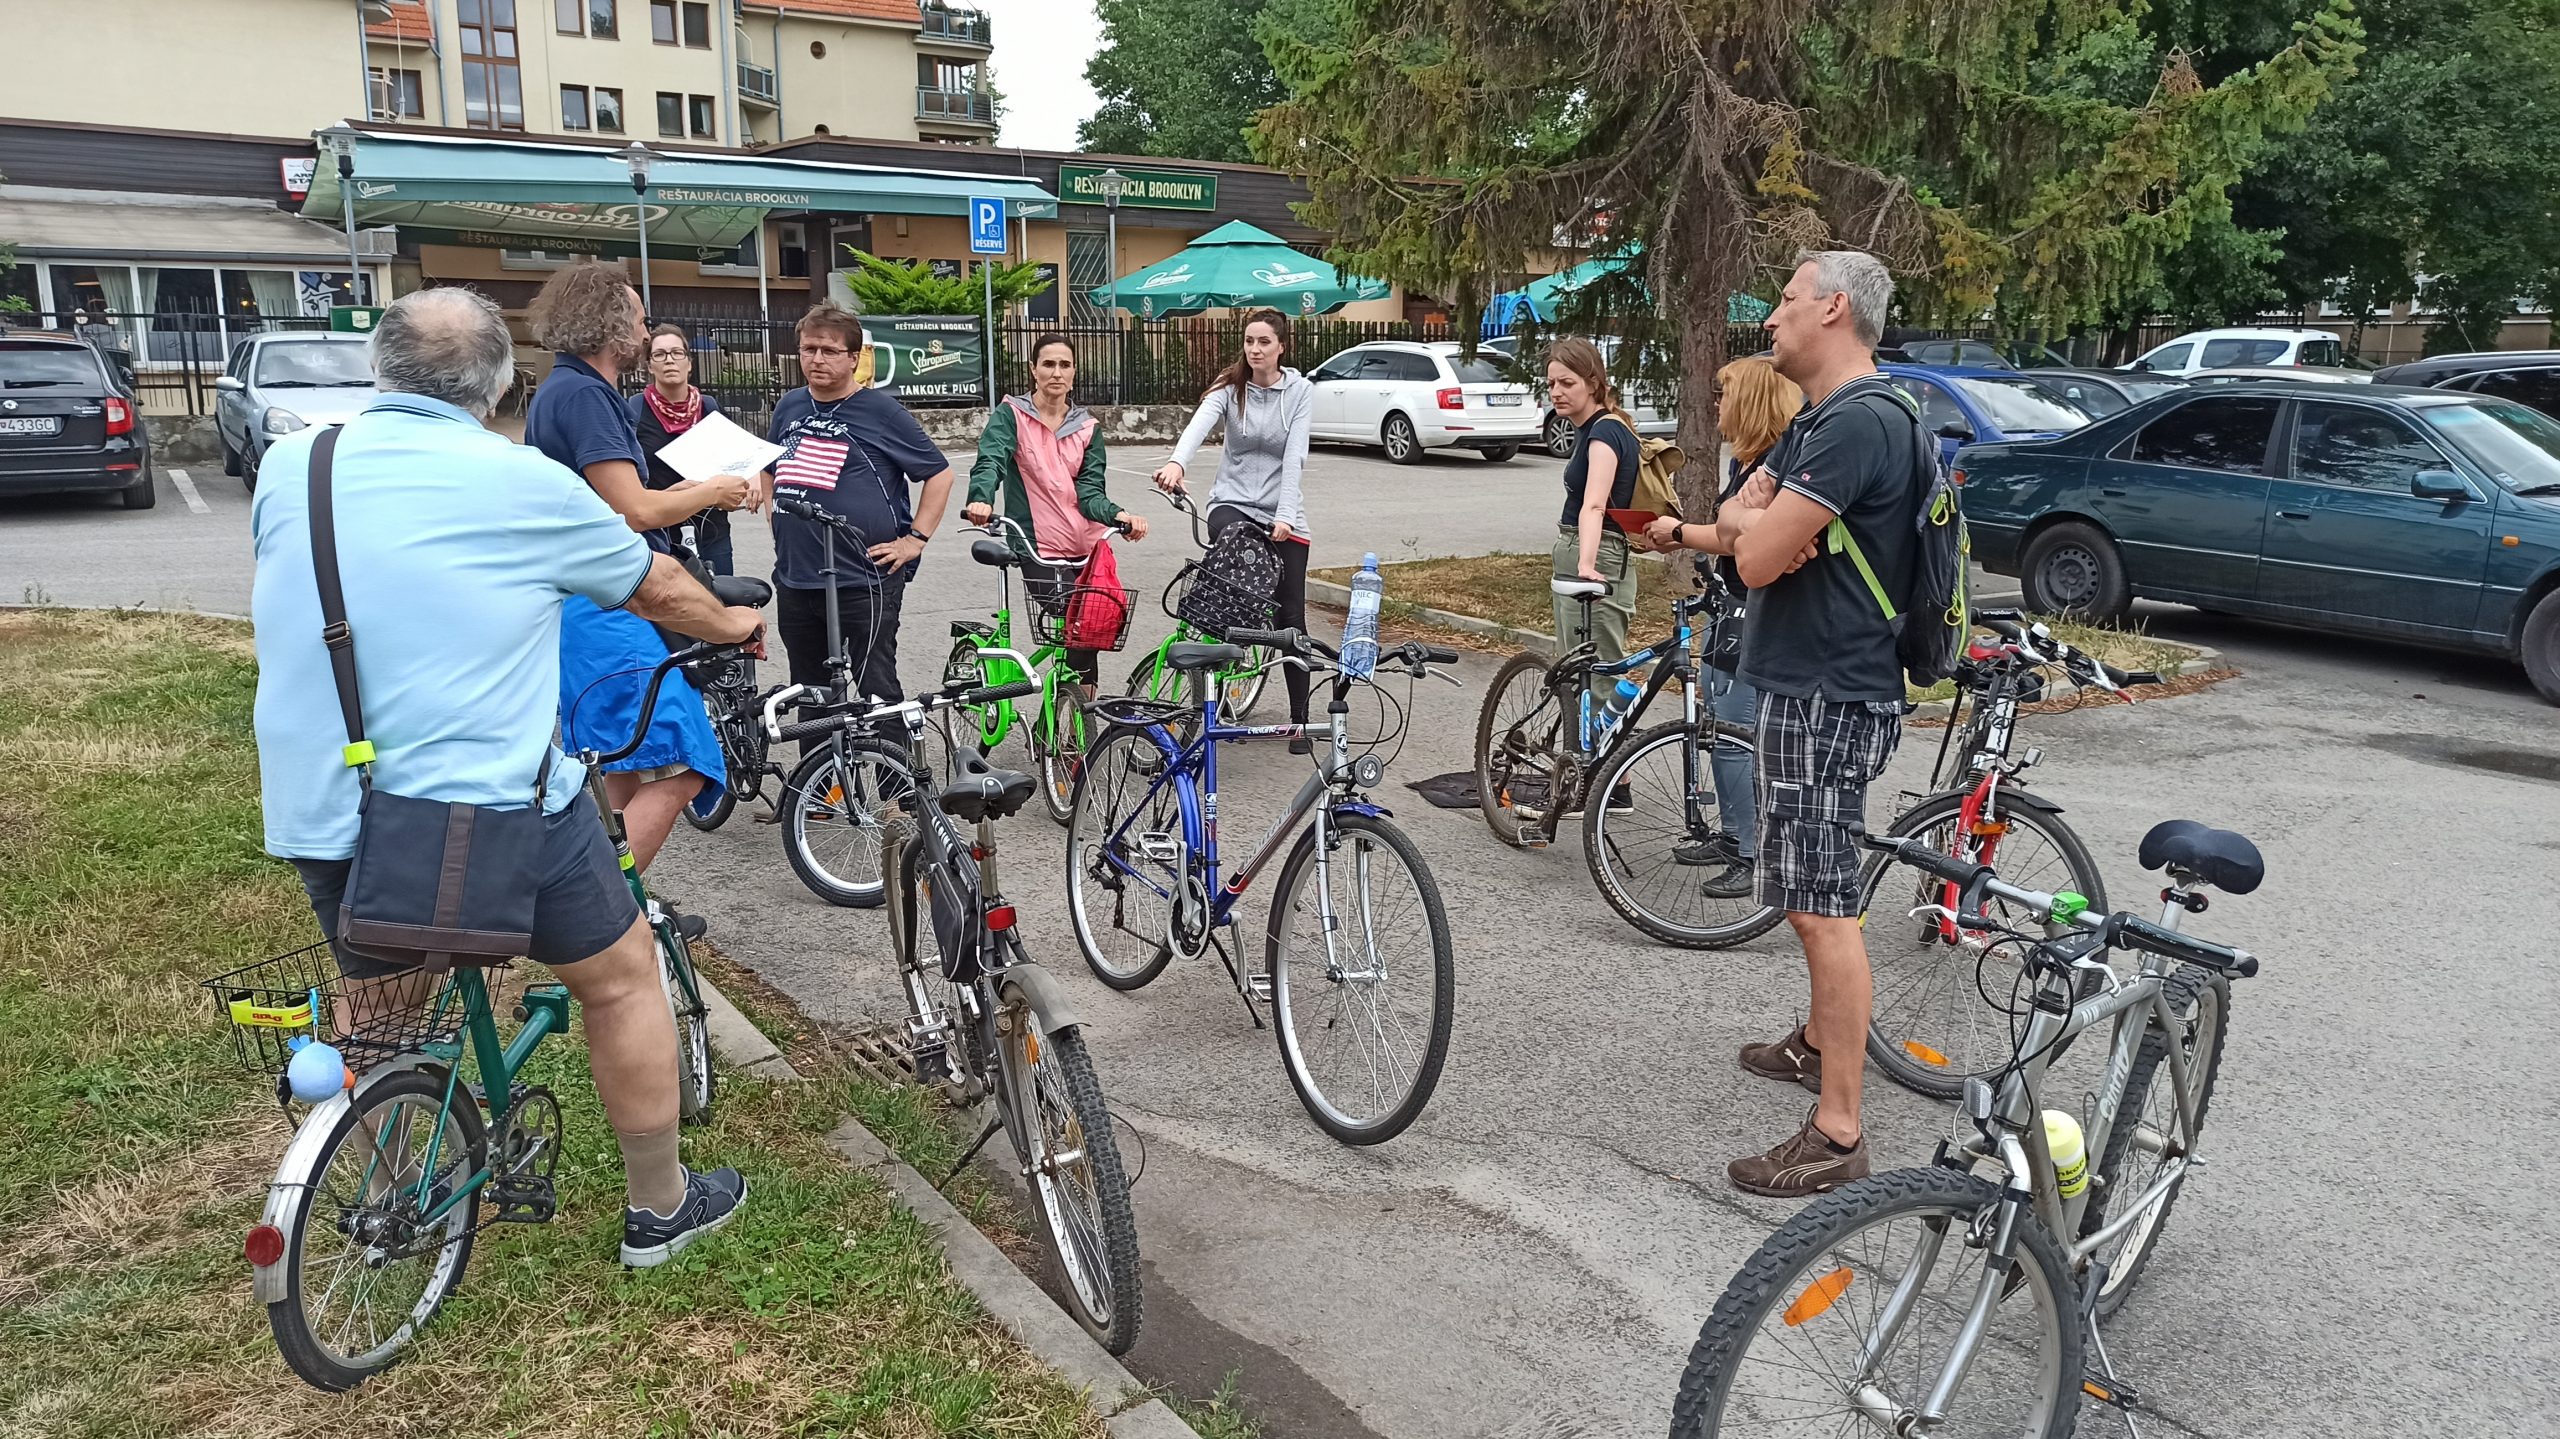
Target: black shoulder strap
334,631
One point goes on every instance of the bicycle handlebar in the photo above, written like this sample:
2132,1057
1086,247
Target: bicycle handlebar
852,717
700,649
2117,931
802,509
2038,645
1296,646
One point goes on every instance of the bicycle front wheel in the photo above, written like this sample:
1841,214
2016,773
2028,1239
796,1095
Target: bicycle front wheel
365,1269
1652,848
1125,861
1072,1162
1363,977
1932,1027
1239,690
832,809
2150,1127
1521,735
1847,1314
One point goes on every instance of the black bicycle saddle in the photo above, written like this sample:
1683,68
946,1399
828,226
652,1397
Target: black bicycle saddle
2227,861
981,791
989,551
743,591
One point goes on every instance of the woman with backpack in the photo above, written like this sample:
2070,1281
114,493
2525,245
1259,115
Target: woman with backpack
1045,457
1600,477
1267,408
1754,405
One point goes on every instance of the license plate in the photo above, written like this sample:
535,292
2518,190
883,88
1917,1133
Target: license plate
1503,401
31,425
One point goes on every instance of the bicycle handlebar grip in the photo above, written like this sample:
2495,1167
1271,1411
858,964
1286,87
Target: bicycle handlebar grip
998,694
810,729
1919,855
1435,655
2137,933
1285,641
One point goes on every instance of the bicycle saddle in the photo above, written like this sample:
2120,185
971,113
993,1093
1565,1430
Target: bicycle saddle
990,552
2227,861
1189,656
743,591
1578,589
980,791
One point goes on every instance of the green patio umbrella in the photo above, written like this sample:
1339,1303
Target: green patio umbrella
1542,297
1237,267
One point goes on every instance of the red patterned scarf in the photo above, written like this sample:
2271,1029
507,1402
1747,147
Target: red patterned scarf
675,419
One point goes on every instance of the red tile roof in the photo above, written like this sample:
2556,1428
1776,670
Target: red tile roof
902,11
407,24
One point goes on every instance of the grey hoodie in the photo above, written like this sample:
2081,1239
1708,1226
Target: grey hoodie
1266,447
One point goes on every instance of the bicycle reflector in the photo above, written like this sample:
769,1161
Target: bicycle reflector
1924,1053
265,1245
1817,1297
1000,917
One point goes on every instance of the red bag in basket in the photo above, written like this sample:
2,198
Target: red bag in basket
1098,611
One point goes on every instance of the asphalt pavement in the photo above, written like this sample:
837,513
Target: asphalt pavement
2367,1249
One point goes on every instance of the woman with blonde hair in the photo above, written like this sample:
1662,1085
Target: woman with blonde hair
1754,406
1600,477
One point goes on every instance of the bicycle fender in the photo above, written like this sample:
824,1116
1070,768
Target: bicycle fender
1363,807
292,1189
1042,992
2027,799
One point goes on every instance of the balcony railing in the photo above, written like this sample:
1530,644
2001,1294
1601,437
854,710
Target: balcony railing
958,27
757,83
967,107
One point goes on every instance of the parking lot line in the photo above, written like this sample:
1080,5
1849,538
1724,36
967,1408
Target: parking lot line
187,492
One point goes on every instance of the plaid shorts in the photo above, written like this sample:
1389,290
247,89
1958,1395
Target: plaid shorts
1815,761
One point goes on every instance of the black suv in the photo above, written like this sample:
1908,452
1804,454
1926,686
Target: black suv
2529,377
67,423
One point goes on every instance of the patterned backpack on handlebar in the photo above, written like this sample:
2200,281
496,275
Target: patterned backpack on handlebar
1233,584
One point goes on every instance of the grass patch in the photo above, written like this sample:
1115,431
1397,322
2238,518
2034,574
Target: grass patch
136,1155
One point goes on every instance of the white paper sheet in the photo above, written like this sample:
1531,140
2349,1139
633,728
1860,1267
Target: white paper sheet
716,446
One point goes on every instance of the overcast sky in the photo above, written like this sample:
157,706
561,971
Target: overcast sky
1041,50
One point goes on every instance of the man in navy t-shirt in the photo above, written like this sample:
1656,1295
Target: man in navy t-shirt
852,451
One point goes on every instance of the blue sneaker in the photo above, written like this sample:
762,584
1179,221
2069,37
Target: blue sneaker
710,1200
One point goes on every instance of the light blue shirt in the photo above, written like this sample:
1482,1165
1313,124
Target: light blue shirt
456,548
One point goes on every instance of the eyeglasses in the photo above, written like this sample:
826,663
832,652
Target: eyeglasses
825,352
666,354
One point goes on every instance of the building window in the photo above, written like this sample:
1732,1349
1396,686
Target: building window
791,249
608,110
573,108
492,88
397,95
602,22
534,260
662,21
699,111
569,16
671,115
697,26
817,49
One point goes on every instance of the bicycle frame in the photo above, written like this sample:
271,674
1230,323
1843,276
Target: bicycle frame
1044,663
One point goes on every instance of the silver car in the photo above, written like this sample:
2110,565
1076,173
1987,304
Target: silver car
283,381
1654,413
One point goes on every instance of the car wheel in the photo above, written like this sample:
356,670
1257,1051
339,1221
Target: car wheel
2541,648
2074,569
1558,436
1499,453
230,457
141,495
249,468
1404,447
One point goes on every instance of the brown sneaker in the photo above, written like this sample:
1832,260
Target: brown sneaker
1805,1164
1789,1061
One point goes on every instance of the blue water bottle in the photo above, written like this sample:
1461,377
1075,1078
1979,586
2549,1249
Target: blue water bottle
1360,626
1613,711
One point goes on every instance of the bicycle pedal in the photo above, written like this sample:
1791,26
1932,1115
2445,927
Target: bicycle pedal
1160,846
523,1199
1259,985
2114,1393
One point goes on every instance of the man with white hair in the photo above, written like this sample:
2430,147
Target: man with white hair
1821,652
456,549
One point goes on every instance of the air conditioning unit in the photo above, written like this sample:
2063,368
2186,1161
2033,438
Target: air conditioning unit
379,243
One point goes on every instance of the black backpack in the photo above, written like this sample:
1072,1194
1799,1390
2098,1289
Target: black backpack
1932,620
1231,587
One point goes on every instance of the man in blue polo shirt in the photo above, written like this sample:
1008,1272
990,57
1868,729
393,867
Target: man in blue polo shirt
853,451
456,552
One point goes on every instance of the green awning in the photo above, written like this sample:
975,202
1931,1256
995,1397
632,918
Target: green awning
578,198
1237,267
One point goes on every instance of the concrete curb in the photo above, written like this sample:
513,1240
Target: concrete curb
2206,658
1125,1406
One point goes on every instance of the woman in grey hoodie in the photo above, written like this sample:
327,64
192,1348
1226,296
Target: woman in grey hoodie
1267,408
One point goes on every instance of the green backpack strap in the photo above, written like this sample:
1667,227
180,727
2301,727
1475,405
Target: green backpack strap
1837,540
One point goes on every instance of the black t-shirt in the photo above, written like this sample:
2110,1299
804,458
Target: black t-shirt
1820,631
1608,429
854,456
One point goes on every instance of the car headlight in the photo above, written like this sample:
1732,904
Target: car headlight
281,421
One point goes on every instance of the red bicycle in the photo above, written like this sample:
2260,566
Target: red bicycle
1934,1025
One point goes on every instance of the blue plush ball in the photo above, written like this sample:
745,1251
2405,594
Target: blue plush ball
317,1072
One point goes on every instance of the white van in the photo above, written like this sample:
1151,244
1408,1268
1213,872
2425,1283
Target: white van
2228,349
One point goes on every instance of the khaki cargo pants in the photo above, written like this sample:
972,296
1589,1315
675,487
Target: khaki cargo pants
1610,613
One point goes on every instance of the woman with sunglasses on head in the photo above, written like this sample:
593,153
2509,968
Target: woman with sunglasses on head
669,407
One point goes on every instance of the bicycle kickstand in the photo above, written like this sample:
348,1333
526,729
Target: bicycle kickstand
994,1126
1247,989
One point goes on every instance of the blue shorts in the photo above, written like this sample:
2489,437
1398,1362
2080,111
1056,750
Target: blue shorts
584,905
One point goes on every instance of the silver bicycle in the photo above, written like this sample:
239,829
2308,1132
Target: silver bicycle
1946,1300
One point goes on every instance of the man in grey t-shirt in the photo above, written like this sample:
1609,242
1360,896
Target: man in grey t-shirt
1821,652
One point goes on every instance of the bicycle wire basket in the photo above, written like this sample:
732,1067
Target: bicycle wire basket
1212,605
269,1003
1076,614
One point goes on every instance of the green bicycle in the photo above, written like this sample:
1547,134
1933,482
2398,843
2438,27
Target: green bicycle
1239,687
983,655
369,1222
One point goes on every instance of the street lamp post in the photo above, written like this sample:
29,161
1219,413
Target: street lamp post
1109,182
638,157
340,143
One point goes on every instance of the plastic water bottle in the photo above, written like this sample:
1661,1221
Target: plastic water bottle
1360,626
1613,711
2062,1139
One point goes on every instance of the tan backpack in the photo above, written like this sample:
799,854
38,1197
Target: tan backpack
1658,465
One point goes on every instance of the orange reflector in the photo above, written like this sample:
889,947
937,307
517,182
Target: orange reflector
1031,1046
1924,1053
2090,1388
1818,1296
1990,828
835,794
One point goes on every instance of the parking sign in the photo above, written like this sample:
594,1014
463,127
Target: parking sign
986,226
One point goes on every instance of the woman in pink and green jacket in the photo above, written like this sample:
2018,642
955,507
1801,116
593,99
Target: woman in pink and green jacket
1045,456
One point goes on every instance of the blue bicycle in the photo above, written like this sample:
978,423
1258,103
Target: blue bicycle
1358,968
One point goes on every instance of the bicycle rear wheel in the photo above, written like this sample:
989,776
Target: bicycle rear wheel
1361,1006
1799,1333
1931,1027
1126,861
2149,1127
1072,1163
1520,742
1061,755
1241,689
1636,853
832,809
364,1273
695,1078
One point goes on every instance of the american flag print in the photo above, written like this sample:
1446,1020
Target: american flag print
813,464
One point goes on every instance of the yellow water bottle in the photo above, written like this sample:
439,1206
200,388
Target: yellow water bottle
2070,1154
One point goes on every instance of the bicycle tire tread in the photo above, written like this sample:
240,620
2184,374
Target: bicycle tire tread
2182,987
1594,833
1111,1190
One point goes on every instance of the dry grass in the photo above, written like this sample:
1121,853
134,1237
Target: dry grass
1507,589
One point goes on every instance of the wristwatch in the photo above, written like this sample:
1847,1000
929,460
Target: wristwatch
917,535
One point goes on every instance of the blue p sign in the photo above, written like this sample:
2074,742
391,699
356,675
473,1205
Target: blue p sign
986,226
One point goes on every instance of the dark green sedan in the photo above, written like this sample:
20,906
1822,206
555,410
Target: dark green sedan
2427,516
